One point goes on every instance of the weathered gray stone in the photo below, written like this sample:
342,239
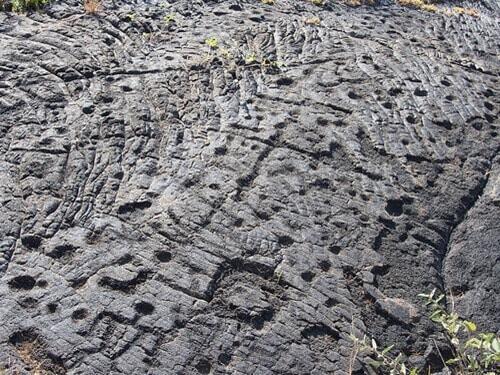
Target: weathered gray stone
167,208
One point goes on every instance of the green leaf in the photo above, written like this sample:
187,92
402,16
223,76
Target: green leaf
212,42
488,337
495,345
473,343
403,369
414,371
471,326
439,299
436,316
375,364
431,295
452,361
387,350
398,359
491,359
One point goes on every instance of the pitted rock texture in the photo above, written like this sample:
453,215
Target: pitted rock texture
168,208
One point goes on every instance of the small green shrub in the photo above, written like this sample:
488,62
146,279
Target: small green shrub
473,353
381,361
22,6
169,18
212,42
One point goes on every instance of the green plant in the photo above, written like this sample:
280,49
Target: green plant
473,353
380,360
212,42
250,58
169,18
21,6
254,59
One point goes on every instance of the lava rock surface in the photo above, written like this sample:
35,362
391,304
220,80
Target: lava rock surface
172,208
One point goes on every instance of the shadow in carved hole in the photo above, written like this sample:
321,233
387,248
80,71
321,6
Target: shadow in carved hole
31,241
144,308
126,286
133,206
79,314
51,308
224,358
394,207
258,321
62,251
164,256
319,330
307,276
23,282
285,241
203,366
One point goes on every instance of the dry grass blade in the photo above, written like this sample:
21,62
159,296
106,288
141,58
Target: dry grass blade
92,6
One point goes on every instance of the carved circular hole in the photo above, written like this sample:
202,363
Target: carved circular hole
394,207
88,109
224,358
285,240
31,241
411,119
322,121
325,265
307,276
52,307
285,81
23,282
335,249
330,302
203,366
164,256
144,308
79,314
420,92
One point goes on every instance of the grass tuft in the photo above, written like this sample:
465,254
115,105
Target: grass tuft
92,6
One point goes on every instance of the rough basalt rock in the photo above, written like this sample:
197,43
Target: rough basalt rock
171,208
